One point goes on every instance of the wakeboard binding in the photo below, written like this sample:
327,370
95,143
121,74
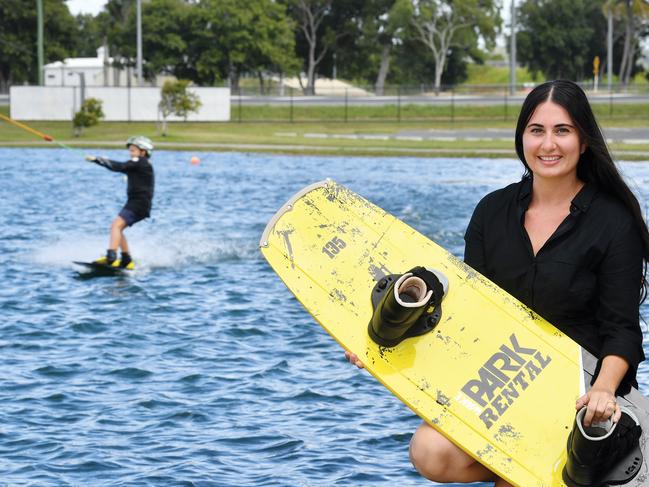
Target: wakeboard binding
111,260
406,305
603,454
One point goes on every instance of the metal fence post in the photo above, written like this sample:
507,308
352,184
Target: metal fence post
345,105
239,90
128,93
452,105
399,103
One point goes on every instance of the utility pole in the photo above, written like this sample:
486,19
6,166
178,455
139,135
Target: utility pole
39,9
609,49
512,54
139,42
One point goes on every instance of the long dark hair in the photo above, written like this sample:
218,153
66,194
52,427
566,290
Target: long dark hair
595,164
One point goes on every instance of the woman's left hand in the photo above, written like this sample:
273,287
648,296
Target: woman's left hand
601,406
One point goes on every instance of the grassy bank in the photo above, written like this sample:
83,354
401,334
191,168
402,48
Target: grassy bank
320,137
447,114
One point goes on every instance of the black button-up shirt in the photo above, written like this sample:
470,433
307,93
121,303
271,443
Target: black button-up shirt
585,279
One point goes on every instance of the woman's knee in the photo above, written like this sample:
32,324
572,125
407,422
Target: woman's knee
432,454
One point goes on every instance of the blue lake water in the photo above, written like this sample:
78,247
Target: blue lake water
201,368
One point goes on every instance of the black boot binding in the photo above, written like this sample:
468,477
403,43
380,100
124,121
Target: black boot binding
406,305
603,454
125,260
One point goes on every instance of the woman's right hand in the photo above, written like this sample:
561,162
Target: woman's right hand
353,358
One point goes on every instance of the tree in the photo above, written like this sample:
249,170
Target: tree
382,46
391,26
275,43
230,38
331,36
635,16
206,42
166,37
88,115
117,26
310,15
367,52
176,100
18,57
166,32
560,38
445,24
90,35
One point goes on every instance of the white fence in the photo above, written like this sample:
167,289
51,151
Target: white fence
120,104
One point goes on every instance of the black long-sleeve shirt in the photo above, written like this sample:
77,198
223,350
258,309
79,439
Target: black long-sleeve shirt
139,172
585,279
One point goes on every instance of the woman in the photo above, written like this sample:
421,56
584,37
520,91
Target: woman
569,241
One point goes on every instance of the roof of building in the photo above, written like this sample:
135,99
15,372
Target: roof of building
82,62
78,62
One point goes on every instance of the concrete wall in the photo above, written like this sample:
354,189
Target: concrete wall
120,104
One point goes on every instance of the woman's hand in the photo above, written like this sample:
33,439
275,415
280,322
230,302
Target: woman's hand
601,406
353,358
600,400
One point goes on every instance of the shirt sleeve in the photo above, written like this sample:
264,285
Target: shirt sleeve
474,253
120,166
618,307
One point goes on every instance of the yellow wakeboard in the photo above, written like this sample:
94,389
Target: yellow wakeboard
492,376
100,269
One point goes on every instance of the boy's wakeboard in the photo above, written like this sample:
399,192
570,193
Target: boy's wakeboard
491,375
98,269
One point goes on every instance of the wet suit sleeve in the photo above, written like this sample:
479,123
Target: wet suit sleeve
617,311
473,240
117,166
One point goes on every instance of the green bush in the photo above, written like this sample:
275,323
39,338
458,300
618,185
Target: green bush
89,115
176,100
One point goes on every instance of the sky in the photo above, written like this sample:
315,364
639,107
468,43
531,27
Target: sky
85,6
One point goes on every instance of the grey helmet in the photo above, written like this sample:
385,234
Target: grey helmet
141,142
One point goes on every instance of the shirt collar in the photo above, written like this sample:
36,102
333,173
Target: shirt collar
525,191
581,202
584,198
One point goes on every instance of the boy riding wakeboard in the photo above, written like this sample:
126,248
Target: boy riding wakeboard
139,172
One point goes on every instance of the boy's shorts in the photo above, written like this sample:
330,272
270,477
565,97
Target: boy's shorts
130,217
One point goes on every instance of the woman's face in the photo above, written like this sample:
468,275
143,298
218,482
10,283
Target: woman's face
551,142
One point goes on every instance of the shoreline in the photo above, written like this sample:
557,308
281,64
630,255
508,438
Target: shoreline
302,149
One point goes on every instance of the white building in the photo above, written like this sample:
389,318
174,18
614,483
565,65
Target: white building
96,71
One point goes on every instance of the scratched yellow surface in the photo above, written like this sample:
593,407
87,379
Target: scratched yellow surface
330,245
